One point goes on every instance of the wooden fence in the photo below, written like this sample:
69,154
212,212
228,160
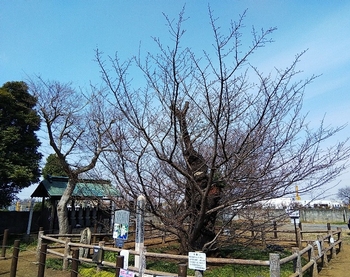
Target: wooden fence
317,252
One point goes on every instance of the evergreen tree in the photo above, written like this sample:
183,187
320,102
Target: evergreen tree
53,167
19,156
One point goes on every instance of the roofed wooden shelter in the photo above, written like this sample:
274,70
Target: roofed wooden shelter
88,194
54,186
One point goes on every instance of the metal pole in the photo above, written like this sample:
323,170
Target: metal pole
14,259
31,209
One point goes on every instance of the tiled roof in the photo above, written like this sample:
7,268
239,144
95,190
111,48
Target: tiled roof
54,187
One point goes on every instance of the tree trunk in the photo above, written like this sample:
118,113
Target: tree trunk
62,211
202,229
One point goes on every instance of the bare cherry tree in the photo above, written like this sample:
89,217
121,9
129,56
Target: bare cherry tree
78,126
210,134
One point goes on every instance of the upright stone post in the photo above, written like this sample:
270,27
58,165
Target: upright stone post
275,265
140,232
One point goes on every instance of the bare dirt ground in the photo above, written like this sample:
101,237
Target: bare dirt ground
27,266
340,266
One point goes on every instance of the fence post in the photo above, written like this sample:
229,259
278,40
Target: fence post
182,270
301,229
331,244
41,269
75,263
101,244
298,234
275,229
40,241
14,259
4,243
297,268
339,230
329,226
66,253
263,237
119,263
311,256
275,266
323,252
163,237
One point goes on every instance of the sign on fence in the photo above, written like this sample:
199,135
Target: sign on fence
197,261
126,273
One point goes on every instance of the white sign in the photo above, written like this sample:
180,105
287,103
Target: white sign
197,261
121,224
125,254
292,213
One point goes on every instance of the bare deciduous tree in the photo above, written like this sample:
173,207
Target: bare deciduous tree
78,125
344,195
201,138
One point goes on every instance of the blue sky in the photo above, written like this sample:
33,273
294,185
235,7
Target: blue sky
57,39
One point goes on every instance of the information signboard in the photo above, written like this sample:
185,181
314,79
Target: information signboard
121,225
197,261
294,215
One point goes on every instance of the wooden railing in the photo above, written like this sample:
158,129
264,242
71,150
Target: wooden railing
315,253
